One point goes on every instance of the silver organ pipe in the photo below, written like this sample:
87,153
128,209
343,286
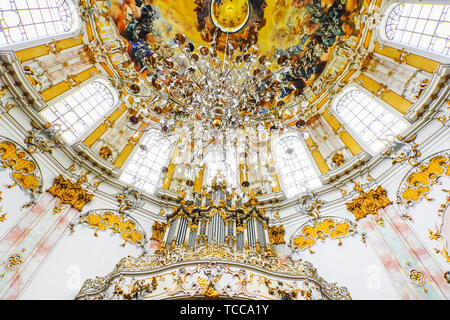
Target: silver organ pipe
251,233
171,233
216,232
261,233
221,228
182,229
202,231
192,238
230,234
240,241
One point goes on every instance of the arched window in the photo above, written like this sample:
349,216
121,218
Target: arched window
25,20
423,26
77,112
368,119
144,171
296,170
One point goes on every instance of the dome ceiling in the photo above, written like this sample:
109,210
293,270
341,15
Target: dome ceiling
278,46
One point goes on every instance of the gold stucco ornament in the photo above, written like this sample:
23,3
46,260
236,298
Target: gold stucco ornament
276,234
368,202
25,171
418,183
159,229
128,229
71,193
338,159
105,152
321,229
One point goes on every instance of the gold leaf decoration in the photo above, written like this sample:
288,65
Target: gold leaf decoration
24,170
368,202
70,192
338,159
276,235
416,277
418,184
14,261
115,222
322,229
158,231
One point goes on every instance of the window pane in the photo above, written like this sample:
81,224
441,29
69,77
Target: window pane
29,20
144,170
369,120
424,26
80,110
296,170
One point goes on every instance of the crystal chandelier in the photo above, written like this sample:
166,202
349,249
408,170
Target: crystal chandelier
222,88
211,98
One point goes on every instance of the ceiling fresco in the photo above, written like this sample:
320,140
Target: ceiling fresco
300,31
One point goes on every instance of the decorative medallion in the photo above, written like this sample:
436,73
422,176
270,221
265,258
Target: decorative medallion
416,277
14,262
230,15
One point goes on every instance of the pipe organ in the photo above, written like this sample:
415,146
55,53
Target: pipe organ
217,217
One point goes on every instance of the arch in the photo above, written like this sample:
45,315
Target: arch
26,22
144,170
372,123
296,170
421,28
81,109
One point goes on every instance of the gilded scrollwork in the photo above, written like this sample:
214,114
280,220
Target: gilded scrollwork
128,228
311,205
2,214
71,193
159,229
417,183
25,171
42,139
368,203
320,229
276,234
437,234
403,150
129,199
